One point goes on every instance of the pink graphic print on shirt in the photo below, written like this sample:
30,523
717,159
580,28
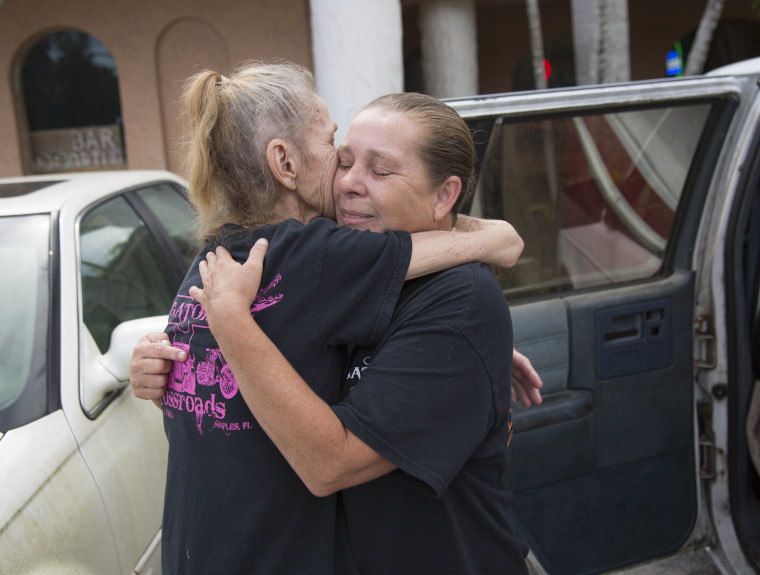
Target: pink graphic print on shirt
209,370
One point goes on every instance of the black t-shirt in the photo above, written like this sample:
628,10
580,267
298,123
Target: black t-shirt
232,503
434,398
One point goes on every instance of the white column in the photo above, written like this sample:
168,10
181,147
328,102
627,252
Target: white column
448,31
357,54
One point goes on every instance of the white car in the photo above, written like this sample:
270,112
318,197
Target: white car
636,297
85,259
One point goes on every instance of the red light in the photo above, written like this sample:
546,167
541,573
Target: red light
547,70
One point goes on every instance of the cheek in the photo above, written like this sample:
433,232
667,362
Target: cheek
337,184
410,211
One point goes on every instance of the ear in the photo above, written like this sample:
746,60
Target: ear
446,197
282,163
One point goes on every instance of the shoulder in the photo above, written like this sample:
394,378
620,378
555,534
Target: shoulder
469,291
468,282
282,236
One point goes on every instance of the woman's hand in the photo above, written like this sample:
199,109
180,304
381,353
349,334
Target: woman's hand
229,287
151,363
526,383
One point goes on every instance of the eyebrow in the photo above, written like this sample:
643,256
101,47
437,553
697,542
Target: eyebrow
373,154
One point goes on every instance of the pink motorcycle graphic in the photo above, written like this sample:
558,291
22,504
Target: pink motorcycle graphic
182,379
209,373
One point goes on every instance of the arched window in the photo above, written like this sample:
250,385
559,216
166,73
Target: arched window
71,95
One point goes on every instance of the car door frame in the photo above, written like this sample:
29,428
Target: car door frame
678,262
106,452
725,369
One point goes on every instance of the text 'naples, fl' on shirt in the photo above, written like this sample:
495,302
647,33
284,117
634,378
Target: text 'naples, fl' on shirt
233,504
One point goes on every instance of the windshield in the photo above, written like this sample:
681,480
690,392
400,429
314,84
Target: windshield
24,248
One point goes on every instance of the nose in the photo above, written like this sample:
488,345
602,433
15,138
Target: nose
349,181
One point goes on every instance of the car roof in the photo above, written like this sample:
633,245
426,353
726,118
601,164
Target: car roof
49,193
751,66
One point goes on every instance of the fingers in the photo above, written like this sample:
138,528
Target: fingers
151,363
527,394
150,387
255,259
156,337
164,350
222,254
197,294
259,250
155,345
525,380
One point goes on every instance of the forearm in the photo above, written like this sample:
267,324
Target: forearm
324,454
493,242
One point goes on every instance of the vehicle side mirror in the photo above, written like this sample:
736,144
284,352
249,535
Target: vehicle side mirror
102,374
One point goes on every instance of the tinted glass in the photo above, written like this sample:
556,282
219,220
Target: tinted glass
24,291
124,273
594,197
14,189
175,214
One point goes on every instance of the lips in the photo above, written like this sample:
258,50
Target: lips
349,217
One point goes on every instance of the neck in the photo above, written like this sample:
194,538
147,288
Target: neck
290,206
447,223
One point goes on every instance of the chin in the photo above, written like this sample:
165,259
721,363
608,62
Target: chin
363,226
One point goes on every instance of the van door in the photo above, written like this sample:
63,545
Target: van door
607,186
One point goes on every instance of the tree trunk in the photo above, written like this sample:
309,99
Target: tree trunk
536,43
541,81
615,58
600,40
586,41
701,46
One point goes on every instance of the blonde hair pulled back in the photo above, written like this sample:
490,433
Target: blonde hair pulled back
228,123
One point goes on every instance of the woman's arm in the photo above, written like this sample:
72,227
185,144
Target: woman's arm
325,455
493,242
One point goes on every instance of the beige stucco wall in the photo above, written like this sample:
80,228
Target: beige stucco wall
156,44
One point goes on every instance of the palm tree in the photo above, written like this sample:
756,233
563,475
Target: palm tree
536,43
600,38
695,61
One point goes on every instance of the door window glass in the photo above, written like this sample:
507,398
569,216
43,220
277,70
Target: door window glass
123,271
594,197
175,214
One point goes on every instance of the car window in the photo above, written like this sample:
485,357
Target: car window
593,196
24,249
124,274
176,215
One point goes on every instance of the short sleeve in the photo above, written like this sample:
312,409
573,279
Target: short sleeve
424,403
360,277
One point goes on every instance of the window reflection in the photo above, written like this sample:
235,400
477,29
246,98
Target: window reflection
71,94
594,197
